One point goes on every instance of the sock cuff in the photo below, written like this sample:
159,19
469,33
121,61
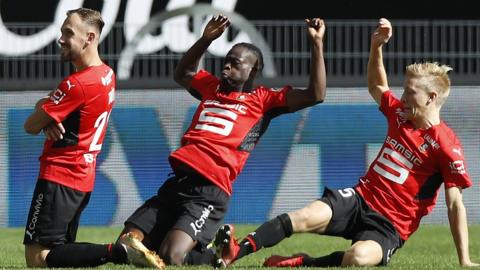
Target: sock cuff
286,224
252,242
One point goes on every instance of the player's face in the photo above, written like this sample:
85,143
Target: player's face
415,98
73,39
237,68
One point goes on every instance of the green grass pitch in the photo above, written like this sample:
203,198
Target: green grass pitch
431,247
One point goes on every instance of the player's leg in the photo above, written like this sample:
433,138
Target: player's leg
374,243
203,206
146,228
175,247
35,255
363,253
52,226
334,214
374,238
314,218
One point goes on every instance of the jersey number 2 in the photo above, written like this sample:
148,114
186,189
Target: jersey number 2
100,127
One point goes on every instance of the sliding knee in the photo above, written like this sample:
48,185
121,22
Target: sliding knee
173,256
35,256
358,256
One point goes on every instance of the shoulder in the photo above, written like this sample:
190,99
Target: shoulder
267,90
99,74
444,142
446,135
204,80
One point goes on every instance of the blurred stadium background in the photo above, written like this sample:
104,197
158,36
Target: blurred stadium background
329,145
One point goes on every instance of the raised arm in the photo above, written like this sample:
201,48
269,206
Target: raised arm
457,217
376,75
315,92
187,67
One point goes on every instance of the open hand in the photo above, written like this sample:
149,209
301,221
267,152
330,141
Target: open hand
215,27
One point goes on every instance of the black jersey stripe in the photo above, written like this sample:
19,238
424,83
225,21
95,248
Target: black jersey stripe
71,125
430,187
254,135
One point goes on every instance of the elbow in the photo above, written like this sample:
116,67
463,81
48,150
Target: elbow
30,129
317,101
455,206
314,101
177,76
182,78
318,97
316,94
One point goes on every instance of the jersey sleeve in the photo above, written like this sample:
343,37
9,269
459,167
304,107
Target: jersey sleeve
65,99
204,83
389,104
453,167
273,98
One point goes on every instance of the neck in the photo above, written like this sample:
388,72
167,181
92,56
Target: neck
426,121
88,59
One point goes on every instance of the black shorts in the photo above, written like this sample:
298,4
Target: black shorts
353,219
54,214
189,203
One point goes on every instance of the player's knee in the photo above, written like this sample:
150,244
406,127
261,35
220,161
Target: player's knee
299,219
312,218
359,256
173,256
35,256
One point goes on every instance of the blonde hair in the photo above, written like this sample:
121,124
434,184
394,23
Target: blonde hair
434,76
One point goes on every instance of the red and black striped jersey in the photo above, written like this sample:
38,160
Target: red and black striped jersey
82,102
402,183
225,128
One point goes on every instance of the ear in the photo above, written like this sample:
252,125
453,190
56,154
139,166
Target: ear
90,37
432,97
253,72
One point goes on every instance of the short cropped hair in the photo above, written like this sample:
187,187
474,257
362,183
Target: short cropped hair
435,77
90,17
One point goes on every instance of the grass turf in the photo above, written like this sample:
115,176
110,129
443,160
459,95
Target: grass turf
431,247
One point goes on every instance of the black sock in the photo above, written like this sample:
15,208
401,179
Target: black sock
195,257
85,255
333,259
268,234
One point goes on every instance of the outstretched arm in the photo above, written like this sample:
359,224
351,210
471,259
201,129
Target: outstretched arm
376,75
315,93
457,218
187,67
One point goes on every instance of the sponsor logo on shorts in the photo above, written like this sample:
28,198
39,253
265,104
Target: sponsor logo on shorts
197,225
30,231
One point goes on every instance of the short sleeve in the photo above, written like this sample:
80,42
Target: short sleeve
453,167
65,99
273,98
389,104
204,83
